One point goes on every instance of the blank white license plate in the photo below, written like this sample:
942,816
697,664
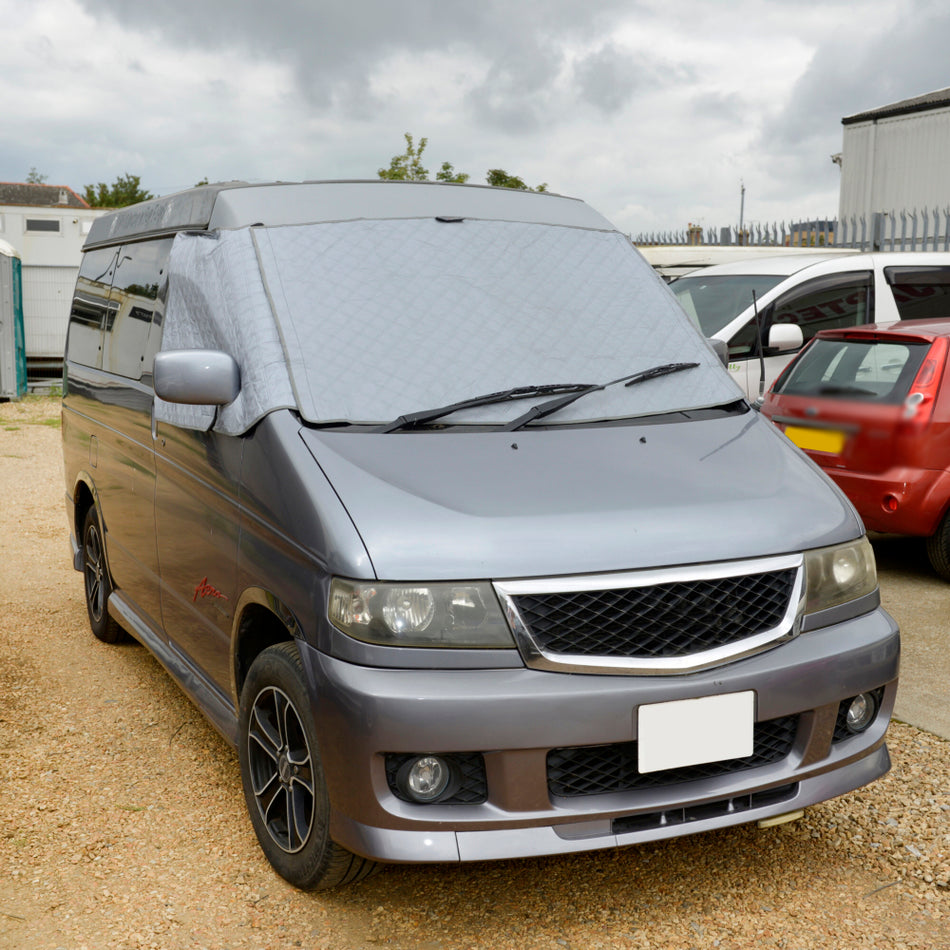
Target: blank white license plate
695,731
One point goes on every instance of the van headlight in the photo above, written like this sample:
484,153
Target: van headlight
838,574
419,615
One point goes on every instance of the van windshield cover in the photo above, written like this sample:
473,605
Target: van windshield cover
360,321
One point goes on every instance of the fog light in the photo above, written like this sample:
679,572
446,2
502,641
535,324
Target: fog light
426,778
890,503
861,712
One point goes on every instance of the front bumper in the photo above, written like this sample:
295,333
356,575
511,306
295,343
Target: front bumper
514,717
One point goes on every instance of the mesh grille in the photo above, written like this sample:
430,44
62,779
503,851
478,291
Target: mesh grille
596,770
663,621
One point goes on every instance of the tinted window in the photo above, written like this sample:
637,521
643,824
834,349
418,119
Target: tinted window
921,293
135,298
826,303
870,371
42,224
90,303
712,302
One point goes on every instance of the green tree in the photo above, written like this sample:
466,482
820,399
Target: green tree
35,178
499,178
408,166
126,190
448,173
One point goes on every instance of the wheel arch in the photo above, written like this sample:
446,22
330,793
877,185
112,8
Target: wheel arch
261,620
84,497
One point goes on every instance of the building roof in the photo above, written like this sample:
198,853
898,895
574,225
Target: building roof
931,100
40,196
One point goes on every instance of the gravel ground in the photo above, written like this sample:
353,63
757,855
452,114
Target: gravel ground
122,823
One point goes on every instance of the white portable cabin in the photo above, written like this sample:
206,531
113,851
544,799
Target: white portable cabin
47,226
12,347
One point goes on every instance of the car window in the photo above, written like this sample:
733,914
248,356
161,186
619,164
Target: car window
869,371
139,273
921,293
826,303
90,304
712,302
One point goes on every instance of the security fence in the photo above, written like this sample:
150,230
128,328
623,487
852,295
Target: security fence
924,230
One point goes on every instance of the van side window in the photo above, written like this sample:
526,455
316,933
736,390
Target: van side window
921,293
90,303
136,297
834,302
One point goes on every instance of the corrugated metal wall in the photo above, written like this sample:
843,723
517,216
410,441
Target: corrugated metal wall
47,294
897,162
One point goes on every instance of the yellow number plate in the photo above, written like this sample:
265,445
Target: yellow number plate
817,440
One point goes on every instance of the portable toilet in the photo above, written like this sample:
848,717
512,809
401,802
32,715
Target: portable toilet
12,340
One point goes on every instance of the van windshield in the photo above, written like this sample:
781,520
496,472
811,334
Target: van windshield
366,321
714,301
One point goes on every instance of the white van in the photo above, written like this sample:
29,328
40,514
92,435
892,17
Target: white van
798,296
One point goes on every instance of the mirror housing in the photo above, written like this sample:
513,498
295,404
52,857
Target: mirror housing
720,348
196,377
785,336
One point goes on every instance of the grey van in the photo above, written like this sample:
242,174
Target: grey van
449,519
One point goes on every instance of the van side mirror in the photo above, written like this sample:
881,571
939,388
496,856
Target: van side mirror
785,336
720,348
196,377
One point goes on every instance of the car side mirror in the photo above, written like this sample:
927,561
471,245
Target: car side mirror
196,377
785,336
720,348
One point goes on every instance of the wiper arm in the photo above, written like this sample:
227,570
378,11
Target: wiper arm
552,405
411,419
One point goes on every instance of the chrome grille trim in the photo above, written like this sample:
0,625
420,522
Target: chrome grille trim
537,658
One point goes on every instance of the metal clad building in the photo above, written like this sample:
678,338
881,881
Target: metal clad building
895,157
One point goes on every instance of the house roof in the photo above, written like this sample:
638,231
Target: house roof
40,196
931,100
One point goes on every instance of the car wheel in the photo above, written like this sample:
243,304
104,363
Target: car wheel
938,548
96,581
283,780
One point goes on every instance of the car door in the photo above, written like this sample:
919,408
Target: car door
126,480
197,520
830,302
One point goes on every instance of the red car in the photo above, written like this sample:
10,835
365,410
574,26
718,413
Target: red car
871,406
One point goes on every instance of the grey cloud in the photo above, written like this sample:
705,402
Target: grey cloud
904,60
332,47
608,78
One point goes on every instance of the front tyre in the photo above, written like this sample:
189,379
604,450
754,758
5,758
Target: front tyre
283,780
96,581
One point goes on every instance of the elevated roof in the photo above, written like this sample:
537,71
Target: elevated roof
239,204
925,103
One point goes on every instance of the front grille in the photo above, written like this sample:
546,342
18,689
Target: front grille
662,621
597,770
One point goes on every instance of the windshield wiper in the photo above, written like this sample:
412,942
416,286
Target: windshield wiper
411,419
552,405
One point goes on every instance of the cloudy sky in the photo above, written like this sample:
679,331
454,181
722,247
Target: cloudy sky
656,112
